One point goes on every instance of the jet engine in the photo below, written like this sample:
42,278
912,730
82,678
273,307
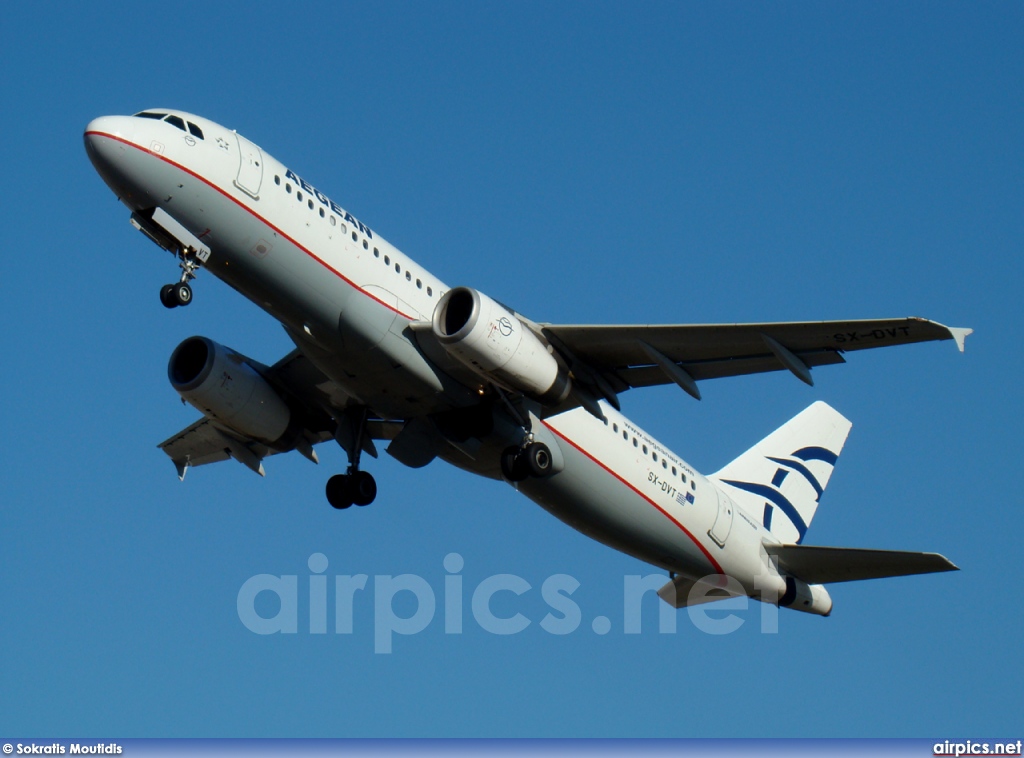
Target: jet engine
491,340
225,387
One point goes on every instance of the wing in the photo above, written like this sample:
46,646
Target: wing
205,442
642,356
314,398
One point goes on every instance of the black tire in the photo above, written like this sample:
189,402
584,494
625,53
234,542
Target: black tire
514,466
339,492
167,296
182,293
538,459
363,487
508,462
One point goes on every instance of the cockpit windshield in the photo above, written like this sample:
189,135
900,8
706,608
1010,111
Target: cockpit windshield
173,120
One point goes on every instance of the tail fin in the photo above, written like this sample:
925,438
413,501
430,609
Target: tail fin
781,478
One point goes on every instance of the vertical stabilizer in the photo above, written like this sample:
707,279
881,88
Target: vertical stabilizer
780,479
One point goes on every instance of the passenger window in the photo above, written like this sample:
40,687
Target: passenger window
387,261
355,237
322,214
398,268
310,204
277,181
175,121
334,221
298,196
288,188
430,292
365,245
194,130
419,284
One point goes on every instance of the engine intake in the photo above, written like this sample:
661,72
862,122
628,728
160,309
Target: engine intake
222,385
491,340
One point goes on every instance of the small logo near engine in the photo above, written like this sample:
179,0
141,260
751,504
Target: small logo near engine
504,326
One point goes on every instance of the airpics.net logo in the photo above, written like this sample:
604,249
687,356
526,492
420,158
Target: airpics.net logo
974,747
500,604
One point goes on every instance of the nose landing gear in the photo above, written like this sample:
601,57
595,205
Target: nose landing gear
191,251
173,295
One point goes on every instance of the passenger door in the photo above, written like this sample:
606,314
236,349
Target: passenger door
250,167
719,531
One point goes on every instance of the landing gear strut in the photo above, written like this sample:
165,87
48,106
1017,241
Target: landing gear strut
534,459
173,295
354,487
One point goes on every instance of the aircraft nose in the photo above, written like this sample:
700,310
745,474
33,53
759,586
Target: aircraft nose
107,143
108,128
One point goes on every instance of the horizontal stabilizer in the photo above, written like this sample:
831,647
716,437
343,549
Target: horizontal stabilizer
824,565
681,592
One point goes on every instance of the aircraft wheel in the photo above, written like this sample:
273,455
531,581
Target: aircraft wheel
339,492
363,487
513,465
167,296
538,459
182,293
508,459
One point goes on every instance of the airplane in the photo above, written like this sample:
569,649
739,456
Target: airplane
386,351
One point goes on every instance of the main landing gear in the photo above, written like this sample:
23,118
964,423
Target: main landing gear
534,459
173,295
354,487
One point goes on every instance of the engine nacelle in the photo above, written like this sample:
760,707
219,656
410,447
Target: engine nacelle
809,598
222,385
489,339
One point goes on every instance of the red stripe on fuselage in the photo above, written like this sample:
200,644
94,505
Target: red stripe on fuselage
666,514
311,254
255,215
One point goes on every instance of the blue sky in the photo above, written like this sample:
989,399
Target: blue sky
599,162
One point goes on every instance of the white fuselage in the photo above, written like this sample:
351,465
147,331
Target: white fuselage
348,298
